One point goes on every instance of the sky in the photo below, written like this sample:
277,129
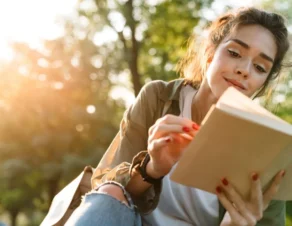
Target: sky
31,20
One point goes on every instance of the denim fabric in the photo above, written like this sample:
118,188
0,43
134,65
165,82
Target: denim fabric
99,209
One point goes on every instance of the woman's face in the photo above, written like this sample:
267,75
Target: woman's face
242,60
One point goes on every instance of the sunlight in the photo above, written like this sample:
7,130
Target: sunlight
107,35
90,109
30,21
219,7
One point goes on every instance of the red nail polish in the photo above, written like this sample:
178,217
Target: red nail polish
225,181
196,126
255,176
283,174
167,140
218,189
186,129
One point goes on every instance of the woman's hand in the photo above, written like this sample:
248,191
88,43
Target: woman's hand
167,139
241,212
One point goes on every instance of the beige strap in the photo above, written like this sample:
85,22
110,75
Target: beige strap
166,107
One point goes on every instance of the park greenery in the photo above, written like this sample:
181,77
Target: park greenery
56,109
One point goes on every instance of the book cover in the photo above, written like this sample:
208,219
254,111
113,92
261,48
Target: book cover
238,137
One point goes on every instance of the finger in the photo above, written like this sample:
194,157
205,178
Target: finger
273,189
160,130
181,138
171,139
176,120
173,119
256,196
164,129
186,136
158,144
171,151
177,145
235,216
238,201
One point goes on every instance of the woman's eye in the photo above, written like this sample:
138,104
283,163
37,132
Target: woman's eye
234,54
260,69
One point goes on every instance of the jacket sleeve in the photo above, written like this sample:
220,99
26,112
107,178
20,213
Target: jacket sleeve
128,149
274,214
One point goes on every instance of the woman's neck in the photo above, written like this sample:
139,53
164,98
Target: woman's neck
202,102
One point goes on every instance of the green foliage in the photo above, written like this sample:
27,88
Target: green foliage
152,38
56,117
289,208
172,23
288,221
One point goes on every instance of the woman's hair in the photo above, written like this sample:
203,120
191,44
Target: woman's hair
194,64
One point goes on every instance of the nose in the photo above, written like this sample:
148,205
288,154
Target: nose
243,69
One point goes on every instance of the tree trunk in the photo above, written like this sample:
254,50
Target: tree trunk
133,51
136,77
13,216
53,187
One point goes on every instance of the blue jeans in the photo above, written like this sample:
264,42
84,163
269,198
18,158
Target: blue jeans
98,209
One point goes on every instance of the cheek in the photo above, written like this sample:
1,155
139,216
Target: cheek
210,74
214,76
256,84
216,68
259,82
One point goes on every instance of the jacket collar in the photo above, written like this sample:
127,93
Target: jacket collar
172,90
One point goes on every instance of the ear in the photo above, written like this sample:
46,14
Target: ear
209,59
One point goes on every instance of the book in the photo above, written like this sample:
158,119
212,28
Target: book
237,138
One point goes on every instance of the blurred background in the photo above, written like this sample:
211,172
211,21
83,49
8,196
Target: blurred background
68,71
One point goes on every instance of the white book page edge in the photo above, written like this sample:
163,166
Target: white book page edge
236,99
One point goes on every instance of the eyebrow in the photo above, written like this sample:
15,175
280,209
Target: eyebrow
246,46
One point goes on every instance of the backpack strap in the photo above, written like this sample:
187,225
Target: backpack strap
166,107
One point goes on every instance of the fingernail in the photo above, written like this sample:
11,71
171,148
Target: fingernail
186,129
218,189
255,176
167,140
283,173
225,181
196,126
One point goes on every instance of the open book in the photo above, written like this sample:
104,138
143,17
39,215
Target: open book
238,137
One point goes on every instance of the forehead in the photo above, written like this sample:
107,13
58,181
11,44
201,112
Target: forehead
257,37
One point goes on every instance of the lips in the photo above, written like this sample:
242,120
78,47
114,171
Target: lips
235,83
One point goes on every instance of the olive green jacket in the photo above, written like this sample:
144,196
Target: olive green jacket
123,156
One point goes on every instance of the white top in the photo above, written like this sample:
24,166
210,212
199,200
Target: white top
180,205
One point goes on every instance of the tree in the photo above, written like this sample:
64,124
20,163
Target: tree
18,190
150,38
56,117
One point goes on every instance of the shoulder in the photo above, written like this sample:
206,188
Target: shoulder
162,89
149,104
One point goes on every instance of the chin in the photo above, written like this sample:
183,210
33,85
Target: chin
217,93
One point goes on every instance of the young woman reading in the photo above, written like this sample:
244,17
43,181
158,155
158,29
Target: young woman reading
244,49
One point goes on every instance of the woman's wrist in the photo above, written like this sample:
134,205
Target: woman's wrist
150,170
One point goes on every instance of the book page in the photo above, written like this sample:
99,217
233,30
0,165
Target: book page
233,98
234,102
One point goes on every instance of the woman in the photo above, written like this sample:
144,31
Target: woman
244,49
